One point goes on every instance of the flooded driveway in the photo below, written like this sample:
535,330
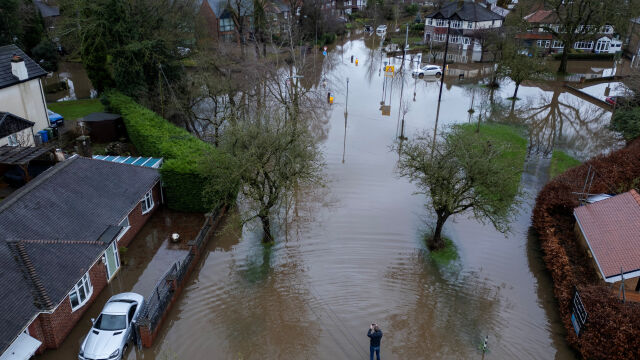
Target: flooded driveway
354,253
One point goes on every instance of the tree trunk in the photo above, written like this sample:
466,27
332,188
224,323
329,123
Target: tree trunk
436,242
515,92
266,229
563,60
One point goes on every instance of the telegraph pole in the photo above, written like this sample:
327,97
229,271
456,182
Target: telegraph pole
444,60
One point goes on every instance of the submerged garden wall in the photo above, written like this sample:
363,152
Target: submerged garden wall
612,330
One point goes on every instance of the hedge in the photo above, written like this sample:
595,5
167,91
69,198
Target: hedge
182,175
613,328
585,56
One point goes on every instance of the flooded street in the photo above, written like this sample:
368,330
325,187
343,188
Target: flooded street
355,255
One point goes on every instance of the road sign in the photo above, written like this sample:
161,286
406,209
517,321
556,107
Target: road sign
578,313
389,70
324,48
324,53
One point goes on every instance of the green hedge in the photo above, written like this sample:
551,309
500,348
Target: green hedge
183,153
585,56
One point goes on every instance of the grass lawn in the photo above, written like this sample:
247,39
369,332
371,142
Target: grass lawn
503,136
446,255
74,109
561,162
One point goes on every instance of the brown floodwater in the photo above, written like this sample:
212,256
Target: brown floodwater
353,253
77,80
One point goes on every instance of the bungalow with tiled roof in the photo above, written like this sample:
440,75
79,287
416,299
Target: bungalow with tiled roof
59,245
610,231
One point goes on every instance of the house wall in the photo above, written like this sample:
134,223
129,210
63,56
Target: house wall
53,328
137,219
211,20
25,137
27,101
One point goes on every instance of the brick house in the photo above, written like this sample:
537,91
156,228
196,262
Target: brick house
21,94
468,20
59,246
603,40
219,19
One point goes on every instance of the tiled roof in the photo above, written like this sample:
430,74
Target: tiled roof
467,10
6,76
55,227
11,124
541,16
612,230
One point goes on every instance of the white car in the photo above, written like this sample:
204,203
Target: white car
428,70
381,30
111,331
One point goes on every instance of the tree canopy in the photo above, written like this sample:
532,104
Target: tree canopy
462,172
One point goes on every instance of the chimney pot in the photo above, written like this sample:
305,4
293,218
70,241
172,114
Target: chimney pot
18,68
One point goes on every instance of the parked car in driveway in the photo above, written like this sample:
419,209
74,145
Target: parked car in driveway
427,70
112,331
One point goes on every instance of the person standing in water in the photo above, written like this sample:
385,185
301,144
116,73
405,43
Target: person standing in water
375,335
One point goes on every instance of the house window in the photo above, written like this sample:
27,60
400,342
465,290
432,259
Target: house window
607,29
544,43
441,37
466,40
454,39
557,44
585,45
469,25
226,24
430,21
147,202
455,24
124,224
13,140
441,23
81,293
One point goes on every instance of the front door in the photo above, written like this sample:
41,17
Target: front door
112,259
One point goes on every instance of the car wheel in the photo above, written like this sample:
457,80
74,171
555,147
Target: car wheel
124,350
438,74
421,76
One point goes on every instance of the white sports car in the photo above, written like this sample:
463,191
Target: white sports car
111,331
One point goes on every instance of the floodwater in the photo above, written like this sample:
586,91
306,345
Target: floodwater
353,253
78,83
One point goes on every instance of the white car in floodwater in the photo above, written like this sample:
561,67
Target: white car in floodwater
428,70
111,332
381,30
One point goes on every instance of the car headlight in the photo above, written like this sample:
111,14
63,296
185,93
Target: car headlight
81,354
114,354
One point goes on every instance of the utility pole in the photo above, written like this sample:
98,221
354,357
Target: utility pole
406,44
444,60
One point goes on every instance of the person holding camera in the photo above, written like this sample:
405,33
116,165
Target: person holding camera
375,335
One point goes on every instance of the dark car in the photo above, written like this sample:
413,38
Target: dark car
617,100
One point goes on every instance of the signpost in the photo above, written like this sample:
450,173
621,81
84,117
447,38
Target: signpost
389,70
578,313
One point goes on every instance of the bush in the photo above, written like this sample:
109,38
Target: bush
585,56
411,10
627,122
327,38
181,173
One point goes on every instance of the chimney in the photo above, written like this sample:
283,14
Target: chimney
18,68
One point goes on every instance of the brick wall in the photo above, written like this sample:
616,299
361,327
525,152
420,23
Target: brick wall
137,220
53,328
211,20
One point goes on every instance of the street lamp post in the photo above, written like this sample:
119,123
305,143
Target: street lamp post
444,60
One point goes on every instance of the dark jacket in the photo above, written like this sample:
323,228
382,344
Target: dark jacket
375,336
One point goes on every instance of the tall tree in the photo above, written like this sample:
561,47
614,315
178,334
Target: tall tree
273,157
579,20
520,67
461,172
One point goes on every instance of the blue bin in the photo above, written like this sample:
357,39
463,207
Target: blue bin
45,135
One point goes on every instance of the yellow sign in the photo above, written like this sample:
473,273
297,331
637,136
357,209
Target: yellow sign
389,70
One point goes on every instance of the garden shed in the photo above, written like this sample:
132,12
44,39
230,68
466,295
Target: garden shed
104,127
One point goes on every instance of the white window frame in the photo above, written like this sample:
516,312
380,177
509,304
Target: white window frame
466,40
83,284
125,227
456,24
557,44
441,23
454,39
429,21
469,24
440,37
147,202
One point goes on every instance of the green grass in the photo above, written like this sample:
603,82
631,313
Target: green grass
446,255
74,109
561,162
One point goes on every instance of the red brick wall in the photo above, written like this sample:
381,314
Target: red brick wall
54,328
211,20
137,220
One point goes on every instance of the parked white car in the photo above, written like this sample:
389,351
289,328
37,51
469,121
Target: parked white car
428,70
381,30
111,332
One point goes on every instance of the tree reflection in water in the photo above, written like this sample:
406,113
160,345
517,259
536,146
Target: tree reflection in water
557,118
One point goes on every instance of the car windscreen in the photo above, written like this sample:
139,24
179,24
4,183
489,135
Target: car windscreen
111,322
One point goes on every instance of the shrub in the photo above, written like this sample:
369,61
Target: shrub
627,122
411,10
181,173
